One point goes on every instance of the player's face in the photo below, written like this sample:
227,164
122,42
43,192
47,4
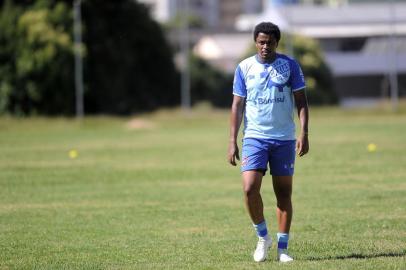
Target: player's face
266,46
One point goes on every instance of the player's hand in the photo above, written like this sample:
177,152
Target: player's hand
302,145
233,153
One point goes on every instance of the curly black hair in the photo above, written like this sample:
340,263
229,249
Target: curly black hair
269,29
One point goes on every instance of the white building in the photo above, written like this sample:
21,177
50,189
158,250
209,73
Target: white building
363,42
215,14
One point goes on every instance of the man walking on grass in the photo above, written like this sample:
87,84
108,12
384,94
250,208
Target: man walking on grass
266,87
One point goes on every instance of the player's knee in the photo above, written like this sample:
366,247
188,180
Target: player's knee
284,195
250,189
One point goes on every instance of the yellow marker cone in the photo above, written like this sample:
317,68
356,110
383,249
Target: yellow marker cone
73,154
371,147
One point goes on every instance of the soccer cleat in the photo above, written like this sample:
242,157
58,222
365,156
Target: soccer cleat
264,243
283,256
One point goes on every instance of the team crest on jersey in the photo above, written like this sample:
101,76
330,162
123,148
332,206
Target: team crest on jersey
280,71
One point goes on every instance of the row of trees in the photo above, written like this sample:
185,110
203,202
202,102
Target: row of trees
128,63
35,58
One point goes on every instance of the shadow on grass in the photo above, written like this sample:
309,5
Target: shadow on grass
359,256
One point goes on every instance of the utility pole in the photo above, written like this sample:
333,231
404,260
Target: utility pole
77,31
392,50
184,44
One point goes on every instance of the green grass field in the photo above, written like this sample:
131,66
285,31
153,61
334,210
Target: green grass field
156,192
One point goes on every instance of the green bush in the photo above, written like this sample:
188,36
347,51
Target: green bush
209,83
319,79
129,65
36,59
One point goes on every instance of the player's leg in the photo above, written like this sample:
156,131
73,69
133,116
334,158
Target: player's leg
283,191
282,159
282,186
253,165
252,181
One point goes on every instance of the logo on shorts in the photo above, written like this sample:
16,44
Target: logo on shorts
287,166
244,161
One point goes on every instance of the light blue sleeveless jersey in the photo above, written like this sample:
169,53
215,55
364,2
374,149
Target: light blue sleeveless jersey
268,92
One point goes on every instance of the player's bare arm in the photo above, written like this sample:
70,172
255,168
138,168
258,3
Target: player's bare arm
237,109
302,144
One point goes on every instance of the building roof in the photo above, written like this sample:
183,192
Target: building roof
381,52
378,56
362,19
381,45
356,64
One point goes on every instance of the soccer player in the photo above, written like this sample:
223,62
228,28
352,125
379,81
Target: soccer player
266,87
